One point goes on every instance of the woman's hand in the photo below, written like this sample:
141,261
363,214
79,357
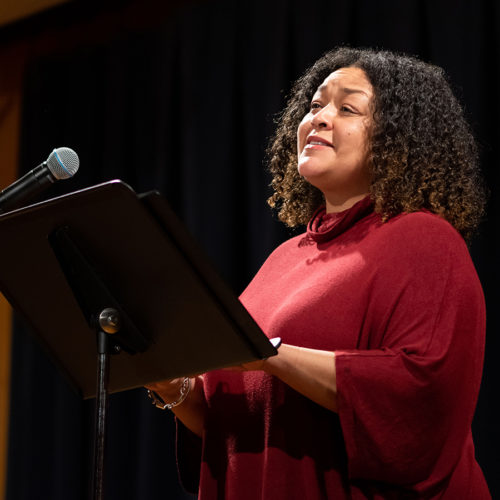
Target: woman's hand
309,371
191,412
168,390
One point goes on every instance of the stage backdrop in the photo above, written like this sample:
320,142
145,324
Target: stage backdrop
187,108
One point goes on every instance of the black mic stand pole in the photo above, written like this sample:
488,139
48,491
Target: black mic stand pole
108,325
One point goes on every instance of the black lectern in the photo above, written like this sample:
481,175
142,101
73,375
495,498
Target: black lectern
106,271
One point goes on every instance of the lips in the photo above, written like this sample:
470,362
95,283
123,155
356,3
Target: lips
315,140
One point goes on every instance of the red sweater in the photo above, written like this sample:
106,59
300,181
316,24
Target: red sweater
401,304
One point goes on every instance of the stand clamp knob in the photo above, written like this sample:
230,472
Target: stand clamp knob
109,320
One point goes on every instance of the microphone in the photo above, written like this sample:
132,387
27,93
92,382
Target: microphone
62,163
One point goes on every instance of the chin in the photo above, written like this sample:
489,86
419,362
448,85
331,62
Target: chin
308,169
312,175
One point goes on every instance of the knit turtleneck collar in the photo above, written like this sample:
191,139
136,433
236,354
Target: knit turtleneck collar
323,227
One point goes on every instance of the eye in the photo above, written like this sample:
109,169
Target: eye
315,105
347,109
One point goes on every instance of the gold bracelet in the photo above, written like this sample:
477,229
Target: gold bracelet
159,403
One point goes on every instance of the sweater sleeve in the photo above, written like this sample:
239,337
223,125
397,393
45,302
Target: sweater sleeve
406,400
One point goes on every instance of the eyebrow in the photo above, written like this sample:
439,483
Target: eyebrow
346,90
354,91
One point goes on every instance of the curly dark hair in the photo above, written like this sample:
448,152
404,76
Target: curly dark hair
422,153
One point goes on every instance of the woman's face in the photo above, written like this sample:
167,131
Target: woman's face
332,139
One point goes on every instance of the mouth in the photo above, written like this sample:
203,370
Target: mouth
314,141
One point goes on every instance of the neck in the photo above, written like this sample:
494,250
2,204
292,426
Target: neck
338,205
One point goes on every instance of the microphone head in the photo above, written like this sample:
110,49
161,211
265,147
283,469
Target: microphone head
63,163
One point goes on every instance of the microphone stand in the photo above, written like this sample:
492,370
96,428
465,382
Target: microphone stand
114,332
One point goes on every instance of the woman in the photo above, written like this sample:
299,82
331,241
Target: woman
380,310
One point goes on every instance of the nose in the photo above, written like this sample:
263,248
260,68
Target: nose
323,118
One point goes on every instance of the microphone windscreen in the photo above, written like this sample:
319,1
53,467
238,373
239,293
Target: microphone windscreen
63,163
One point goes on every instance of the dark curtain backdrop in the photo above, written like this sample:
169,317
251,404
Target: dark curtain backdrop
187,108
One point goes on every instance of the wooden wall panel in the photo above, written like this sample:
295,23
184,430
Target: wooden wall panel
14,10
10,111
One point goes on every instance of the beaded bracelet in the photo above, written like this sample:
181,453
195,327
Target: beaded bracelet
159,403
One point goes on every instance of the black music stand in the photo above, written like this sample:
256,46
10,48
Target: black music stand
105,262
